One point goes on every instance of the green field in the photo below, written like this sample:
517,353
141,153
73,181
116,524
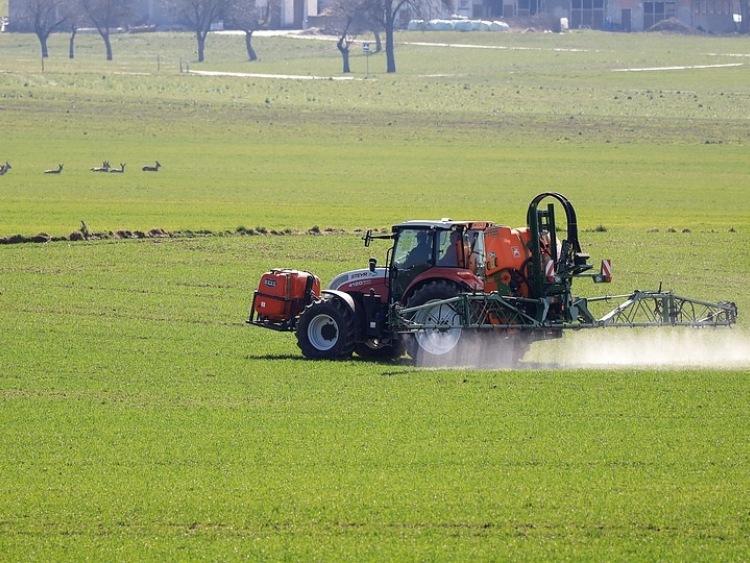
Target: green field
144,420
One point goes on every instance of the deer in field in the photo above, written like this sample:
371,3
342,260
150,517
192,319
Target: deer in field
57,170
154,168
103,168
120,170
4,168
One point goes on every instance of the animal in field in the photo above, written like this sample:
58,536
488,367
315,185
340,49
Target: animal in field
154,168
103,168
120,170
57,170
4,168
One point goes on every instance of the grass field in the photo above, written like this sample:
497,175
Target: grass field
144,420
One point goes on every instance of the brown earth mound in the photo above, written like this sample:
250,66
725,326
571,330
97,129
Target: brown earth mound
84,234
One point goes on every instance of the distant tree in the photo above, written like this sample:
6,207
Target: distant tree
44,17
72,41
106,15
349,18
387,12
249,16
74,22
198,15
343,44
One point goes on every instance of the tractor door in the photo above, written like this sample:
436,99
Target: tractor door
462,248
452,248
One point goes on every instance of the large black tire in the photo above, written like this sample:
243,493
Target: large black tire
371,351
325,330
436,346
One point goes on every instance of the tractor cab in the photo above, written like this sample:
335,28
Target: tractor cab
443,249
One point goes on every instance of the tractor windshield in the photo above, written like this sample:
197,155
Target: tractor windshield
413,253
413,248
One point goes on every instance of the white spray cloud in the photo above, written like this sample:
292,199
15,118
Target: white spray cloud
656,348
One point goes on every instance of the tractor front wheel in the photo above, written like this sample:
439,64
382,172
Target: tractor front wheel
325,330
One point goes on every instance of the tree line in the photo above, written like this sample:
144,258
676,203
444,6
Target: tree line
347,18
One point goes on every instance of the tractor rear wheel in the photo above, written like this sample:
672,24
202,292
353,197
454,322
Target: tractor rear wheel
435,345
325,330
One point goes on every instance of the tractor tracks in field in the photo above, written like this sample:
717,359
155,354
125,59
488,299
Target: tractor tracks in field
677,67
124,316
495,47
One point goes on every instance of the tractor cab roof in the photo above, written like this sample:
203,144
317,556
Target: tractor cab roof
441,225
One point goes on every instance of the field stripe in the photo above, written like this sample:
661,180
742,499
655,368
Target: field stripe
498,47
260,75
690,67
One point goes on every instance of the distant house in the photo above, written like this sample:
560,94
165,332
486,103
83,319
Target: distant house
715,16
290,14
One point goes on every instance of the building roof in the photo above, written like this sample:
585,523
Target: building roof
441,224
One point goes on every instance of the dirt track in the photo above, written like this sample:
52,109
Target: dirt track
260,75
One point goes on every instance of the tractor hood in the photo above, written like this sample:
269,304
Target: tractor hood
359,280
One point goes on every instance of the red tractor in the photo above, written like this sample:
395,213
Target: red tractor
448,284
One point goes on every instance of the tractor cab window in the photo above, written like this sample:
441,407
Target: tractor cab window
413,248
459,248
476,258
453,248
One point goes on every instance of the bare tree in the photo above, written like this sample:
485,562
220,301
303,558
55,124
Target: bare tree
387,11
44,17
249,16
72,41
74,21
198,15
343,45
340,19
106,15
388,14
349,18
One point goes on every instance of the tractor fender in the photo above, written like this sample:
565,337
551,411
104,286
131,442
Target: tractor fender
462,278
358,309
345,297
